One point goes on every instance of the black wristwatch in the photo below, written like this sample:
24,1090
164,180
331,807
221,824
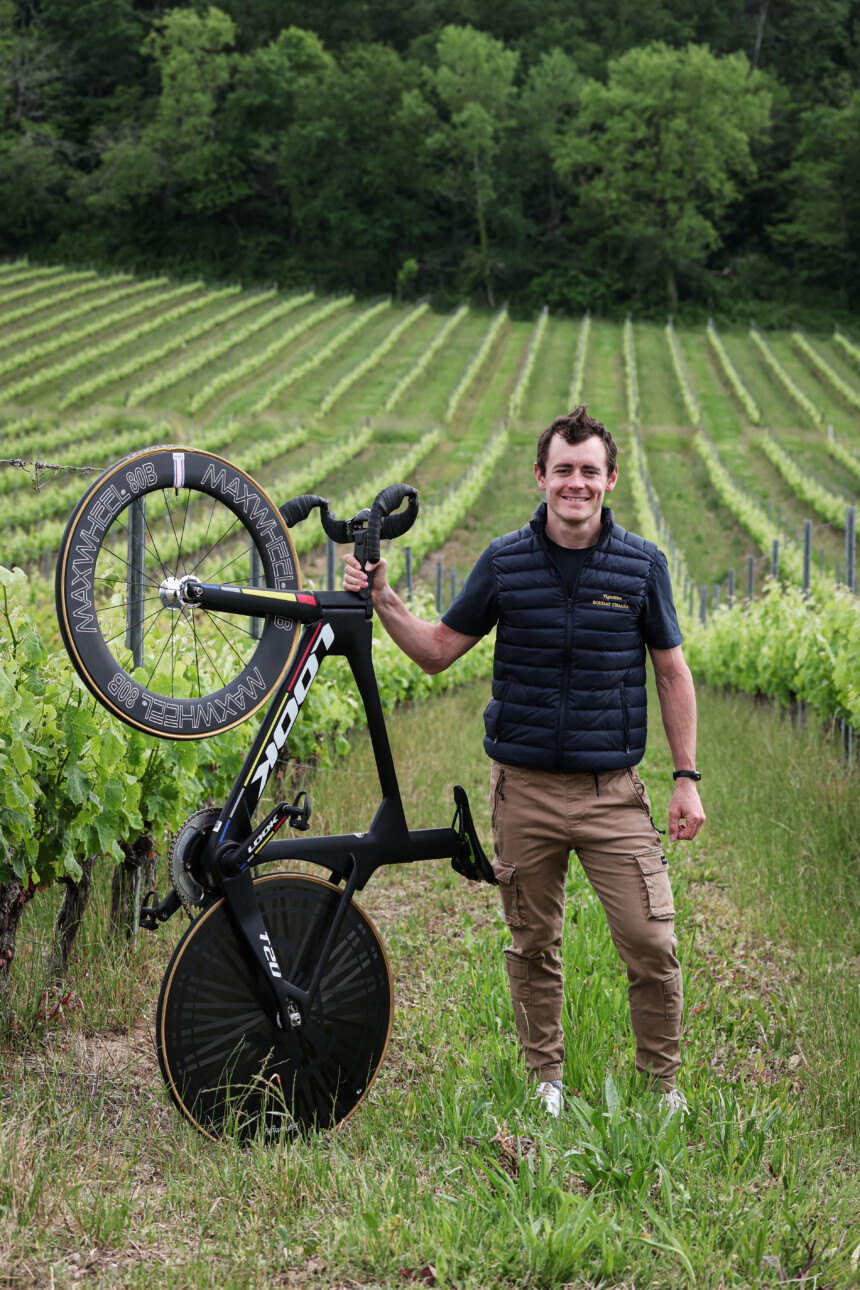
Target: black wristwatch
687,774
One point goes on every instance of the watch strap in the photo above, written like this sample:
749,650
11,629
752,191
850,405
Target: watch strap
687,774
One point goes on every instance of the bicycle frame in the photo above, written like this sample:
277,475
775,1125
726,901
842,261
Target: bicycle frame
335,623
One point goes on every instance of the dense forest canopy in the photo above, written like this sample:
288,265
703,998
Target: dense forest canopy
699,156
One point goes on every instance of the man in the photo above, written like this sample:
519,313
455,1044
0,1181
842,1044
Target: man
576,600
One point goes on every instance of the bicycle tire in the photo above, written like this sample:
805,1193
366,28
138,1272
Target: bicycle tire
199,673
227,1066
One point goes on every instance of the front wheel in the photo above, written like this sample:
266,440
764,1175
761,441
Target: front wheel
227,1065
163,667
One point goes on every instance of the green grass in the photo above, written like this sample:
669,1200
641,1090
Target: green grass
446,1163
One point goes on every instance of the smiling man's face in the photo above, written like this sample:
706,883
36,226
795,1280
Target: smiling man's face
575,482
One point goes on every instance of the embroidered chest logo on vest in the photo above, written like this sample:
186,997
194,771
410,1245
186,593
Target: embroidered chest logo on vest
608,601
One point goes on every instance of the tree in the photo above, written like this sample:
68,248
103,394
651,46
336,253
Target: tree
656,156
180,152
475,82
822,233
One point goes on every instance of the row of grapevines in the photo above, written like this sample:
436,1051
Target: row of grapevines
74,284
48,320
691,403
217,348
106,297
732,375
852,350
318,356
39,444
579,362
82,354
398,468
11,268
476,362
436,523
29,282
518,393
786,645
28,541
228,376
747,510
59,499
11,431
790,386
371,360
827,504
118,372
649,516
74,780
631,379
844,454
425,357
848,391
646,504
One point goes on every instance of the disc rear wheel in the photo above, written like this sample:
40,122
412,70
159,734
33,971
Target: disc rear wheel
227,1065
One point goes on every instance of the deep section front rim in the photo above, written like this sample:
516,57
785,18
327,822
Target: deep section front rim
160,665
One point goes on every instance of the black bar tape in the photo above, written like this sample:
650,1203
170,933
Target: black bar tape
299,508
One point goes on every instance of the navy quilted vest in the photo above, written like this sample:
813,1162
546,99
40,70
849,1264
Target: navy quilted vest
569,675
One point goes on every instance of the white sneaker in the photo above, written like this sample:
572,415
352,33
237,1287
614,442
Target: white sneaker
550,1096
673,1101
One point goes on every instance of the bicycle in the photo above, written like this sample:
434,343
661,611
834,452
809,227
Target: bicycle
276,1006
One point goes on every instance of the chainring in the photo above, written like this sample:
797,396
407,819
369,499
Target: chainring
184,859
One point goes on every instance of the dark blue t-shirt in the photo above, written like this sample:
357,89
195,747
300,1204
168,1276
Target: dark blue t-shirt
476,609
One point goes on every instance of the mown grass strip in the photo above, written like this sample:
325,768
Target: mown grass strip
520,390
803,485
475,364
578,378
425,358
370,361
238,371
849,392
800,397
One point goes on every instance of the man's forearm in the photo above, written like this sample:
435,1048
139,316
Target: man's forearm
418,639
677,696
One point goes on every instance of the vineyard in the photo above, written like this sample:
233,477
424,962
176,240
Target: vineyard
739,454
728,443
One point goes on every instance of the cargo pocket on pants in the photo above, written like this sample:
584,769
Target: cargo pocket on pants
518,975
512,907
658,890
673,996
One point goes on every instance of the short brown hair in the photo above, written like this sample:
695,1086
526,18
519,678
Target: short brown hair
576,427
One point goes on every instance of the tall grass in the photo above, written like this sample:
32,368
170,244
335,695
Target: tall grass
448,1174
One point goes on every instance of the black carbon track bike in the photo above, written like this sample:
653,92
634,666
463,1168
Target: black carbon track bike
181,605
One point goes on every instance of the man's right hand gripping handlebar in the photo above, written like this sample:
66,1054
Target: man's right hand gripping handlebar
367,575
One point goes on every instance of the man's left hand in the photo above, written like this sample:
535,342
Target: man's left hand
686,813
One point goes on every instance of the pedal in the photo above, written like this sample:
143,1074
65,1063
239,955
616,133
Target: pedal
469,859
151,914
300,816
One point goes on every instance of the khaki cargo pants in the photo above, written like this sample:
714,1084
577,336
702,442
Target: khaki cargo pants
538,819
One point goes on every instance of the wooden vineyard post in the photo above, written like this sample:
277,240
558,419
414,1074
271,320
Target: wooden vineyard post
330,563
750,580
703,605
135,579
850,541
438,586
256,579
807,556
731,588
407,554
774,559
